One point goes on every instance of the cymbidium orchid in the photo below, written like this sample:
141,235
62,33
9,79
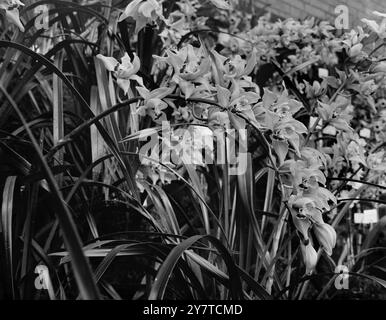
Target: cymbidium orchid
125,71
221,4
225,90
379,29
238,101
176,27
279,104
180,22
186,145
11,8
275,113
307,203
306,216
290,129
313,158
227,78
376,161
189,67
157,173
239,67
315,90
143,12
153,104
379,67
353,148
188,7
336,114
305,207
353,44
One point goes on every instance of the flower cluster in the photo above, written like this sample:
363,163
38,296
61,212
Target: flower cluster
200,84
308,201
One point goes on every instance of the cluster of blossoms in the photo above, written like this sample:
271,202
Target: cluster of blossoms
180,22
215,89
304,41
308,201
302,174
222,74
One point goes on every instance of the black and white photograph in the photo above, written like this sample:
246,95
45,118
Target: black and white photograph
192,157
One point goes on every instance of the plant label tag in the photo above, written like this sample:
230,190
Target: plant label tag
322,73
330,130
370,216
365,133
358,217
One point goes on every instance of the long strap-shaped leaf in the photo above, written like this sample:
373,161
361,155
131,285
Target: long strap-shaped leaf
82,270
166,269
52,68
6,229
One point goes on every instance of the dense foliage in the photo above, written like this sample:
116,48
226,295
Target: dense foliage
188,149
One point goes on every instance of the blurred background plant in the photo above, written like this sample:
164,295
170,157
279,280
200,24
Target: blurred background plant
83,82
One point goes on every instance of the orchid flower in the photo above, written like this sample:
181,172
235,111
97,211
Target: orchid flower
12,12
189,68
239,67
143,12
221,4
237,100
379,29
153,104
124,71
275,112
305,216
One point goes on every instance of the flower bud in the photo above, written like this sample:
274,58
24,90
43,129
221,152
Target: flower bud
310,257
326,236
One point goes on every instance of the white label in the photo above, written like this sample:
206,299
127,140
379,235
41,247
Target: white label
368,216
365,133
330,130
323,73
358,217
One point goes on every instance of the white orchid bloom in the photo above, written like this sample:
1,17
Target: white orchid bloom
143,12
12,12
379,29
125,71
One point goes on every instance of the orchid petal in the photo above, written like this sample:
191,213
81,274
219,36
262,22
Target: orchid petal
379,14
310,257
124,84
221,4
13,17
223,96
138,79
143,92
110,63
326,236
372,24
130,10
